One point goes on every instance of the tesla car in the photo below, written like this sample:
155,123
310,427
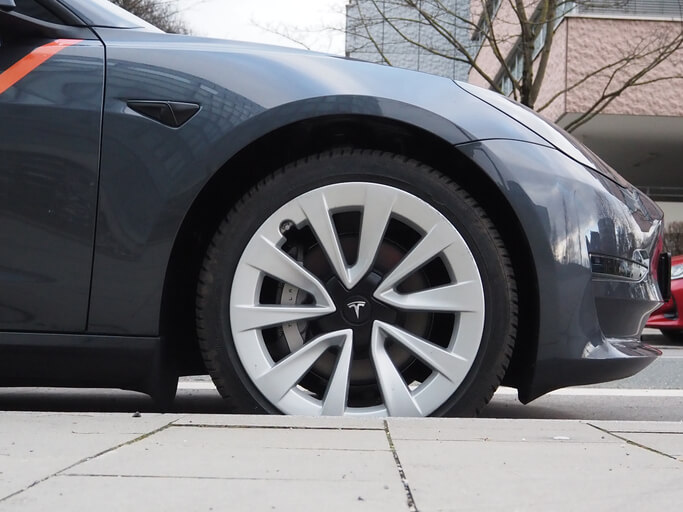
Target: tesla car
322,236
668,318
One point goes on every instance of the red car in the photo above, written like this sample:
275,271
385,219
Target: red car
669,317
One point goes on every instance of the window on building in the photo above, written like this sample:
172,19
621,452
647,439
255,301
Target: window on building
563,9
656,8
491,8
539,40
505,86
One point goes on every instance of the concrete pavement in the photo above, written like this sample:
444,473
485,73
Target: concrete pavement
166,462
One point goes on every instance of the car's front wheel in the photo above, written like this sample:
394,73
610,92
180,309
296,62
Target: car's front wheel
357,283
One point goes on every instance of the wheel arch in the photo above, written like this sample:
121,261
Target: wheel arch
296,140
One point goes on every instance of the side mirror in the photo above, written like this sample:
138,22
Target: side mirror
7,5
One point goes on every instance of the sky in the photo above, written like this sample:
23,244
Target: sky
317,23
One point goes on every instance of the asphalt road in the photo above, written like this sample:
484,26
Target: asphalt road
656,394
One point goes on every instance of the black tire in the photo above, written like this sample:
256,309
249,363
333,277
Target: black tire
342,166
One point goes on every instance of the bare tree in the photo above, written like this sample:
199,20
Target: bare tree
520,43
163,14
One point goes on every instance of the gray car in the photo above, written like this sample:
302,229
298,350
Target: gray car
321,235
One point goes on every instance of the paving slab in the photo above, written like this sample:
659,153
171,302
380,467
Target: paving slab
495,430
286,438
116,494
253,453
283,421
557,475
640,426
34,446
669,443
202,462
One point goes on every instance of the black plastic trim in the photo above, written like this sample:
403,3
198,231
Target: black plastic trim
59,10
609,267
171,113
76,360
24,26
664,275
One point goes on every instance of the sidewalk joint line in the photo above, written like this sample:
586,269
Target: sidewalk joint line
86,459
412,506
634,443
274,427
664,432
196,477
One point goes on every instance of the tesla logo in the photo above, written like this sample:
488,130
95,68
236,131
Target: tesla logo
356,305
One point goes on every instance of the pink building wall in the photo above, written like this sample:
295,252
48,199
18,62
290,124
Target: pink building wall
584,44
555,79
594,42
506,30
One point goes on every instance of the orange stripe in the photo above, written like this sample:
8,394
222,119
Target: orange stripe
34,59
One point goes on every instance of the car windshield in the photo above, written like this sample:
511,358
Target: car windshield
103,13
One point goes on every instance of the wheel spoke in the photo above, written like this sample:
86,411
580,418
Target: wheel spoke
376,214
263,255
397,397
436,240
248,317
286,374
334,402
317,213
451,366
463,297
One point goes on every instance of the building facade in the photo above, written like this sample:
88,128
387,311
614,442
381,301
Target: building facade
389,32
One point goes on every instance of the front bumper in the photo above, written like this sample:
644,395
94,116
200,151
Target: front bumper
588,322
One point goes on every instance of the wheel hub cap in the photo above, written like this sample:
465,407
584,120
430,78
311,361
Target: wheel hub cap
382,331
358,311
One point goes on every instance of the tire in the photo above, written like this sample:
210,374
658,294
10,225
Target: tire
297,313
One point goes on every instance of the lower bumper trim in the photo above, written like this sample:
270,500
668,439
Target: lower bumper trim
616,360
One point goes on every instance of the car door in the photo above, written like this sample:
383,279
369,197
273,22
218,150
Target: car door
51,94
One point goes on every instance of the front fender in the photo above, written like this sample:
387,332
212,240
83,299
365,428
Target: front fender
151,173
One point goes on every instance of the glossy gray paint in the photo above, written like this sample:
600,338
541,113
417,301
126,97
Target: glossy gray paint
152,173
569,213
151,176
49,142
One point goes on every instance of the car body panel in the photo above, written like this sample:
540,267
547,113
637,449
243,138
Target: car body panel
570,213
49,140
124,221
151,173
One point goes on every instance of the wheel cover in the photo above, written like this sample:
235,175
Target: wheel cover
279,379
